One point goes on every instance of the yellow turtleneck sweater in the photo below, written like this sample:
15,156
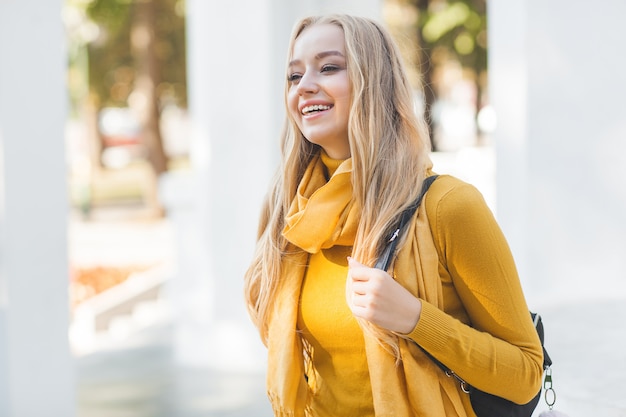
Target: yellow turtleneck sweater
477,274
336,340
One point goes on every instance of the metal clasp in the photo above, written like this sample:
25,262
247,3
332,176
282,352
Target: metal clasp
465,387
394,236
550,394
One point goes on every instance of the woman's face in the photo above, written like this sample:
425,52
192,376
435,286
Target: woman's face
318,96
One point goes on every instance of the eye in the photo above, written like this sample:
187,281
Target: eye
330,68
294,78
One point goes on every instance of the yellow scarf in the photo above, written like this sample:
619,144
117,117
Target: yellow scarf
322,215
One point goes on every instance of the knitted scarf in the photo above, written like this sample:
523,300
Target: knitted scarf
322,215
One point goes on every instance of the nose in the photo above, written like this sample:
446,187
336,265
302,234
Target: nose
308,84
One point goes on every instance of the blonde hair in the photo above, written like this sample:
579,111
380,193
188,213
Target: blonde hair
389,146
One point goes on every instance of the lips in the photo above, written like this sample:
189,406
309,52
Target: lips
314,108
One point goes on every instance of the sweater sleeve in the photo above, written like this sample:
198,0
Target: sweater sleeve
499,351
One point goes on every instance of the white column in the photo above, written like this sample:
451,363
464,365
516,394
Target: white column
508,93
368,8
36,368
557,84
236,72
234,125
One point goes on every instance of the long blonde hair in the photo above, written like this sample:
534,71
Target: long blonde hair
389,146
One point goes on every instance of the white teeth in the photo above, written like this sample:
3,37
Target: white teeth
315,107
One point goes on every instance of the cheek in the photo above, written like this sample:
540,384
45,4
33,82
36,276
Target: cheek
344,104
292,104
342,93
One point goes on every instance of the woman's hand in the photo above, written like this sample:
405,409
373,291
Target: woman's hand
375,296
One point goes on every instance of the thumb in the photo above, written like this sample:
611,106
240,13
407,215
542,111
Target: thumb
353,263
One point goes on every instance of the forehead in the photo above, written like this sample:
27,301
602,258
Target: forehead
317,38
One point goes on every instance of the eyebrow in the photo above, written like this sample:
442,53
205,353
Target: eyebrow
319,56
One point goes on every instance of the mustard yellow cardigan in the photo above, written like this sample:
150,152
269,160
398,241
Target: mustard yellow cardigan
499,353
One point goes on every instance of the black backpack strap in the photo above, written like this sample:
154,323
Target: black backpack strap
384,260
547,361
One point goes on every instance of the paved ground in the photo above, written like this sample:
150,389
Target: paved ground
143,381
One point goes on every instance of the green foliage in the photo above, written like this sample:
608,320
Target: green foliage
110,52
112,15
111,62
457,26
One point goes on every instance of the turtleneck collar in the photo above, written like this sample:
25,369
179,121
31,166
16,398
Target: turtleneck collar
330,163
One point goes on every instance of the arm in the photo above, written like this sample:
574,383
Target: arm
501,352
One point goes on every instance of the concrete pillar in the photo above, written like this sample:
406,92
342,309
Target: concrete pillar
557,85
230,94
508,90
36,368
236,60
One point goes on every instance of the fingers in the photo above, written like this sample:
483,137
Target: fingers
375,296
356,270
363,284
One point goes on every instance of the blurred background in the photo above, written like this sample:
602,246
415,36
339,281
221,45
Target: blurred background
138,137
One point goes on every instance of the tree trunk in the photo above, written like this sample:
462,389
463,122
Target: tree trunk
426,68
144,100
429,93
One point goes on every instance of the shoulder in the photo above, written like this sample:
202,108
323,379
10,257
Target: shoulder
456,209
450,194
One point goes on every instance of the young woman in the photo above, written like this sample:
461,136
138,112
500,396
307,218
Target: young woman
344,338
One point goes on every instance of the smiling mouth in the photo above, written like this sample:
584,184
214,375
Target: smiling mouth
315,109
